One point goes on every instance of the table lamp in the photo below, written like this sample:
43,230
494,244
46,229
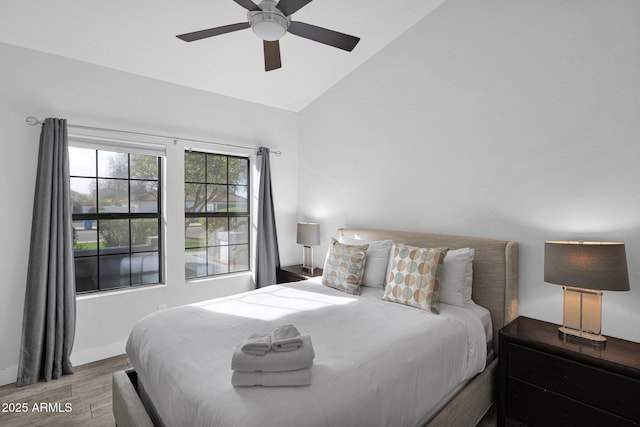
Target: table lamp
308,236
585,269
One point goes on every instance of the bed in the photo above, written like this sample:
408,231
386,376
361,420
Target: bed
367,371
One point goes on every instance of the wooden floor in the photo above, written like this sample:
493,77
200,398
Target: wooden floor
490,419
87,391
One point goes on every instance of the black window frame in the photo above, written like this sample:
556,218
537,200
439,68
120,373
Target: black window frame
102,216
228,215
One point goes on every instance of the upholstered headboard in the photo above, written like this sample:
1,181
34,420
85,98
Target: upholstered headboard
495,267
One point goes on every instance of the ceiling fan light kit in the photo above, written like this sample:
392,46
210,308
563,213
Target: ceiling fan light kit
270,21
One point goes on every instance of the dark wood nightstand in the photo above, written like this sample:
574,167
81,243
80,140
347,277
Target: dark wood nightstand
295,273
544,380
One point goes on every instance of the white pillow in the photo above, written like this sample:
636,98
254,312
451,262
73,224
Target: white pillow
457,277
375,268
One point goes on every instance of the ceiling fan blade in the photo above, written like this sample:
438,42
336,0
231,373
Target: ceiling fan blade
323,35
271,55
289,7
247,4
203,34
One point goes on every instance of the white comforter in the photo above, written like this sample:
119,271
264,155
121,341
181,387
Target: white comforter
377,363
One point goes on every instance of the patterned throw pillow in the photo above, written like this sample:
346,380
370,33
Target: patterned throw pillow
344,267
414,276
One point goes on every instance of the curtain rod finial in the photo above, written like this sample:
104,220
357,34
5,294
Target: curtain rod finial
32,121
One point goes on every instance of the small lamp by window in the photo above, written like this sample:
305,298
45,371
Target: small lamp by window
585,269
308,236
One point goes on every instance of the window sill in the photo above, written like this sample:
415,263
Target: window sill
119,292
207,279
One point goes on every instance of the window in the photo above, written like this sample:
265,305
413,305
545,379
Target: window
116,212
216,204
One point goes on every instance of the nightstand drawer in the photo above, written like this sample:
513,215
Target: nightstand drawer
590,385
536,406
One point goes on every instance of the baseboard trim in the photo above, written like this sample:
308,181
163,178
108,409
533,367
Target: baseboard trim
98,353
9,374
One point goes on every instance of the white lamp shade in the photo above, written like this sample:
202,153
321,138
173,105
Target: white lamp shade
308,233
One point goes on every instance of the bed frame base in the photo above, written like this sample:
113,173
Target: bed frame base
469,406
128,408
465,409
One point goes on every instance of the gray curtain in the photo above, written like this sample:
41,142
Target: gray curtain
48,325
267,255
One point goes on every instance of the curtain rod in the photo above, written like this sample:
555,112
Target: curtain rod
33,121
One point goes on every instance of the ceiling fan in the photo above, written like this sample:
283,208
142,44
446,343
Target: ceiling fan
270,21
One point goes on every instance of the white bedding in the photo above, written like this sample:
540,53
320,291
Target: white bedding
377,363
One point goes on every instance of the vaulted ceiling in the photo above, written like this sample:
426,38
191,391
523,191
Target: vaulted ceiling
139,37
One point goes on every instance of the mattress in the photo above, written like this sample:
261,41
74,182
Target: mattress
482,313
377,363
485,317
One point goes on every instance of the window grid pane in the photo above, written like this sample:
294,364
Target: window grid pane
239,257
144,196
194,232
195,264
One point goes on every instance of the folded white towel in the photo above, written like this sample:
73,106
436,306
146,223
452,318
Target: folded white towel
256,344
271,379
275,361
286,338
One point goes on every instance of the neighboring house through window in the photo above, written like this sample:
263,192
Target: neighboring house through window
216,227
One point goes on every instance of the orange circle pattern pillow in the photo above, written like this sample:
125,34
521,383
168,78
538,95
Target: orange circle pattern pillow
414,276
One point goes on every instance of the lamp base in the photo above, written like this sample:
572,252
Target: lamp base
568,334
307,259
582,316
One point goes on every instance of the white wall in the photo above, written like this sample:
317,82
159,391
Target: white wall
42,85
506,119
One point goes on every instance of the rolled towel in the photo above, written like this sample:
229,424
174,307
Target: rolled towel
275,361
286,338
256,344
271,379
